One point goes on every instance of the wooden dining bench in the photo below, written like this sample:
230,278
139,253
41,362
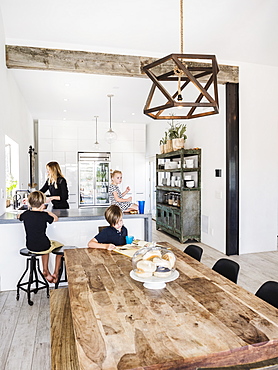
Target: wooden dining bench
63,348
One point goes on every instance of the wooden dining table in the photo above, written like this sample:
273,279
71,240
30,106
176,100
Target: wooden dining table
199,320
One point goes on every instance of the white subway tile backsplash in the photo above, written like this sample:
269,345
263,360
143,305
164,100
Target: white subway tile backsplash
45,145
65,132
60,141
71,158
64,145
122,146
45,131
139,146
139,134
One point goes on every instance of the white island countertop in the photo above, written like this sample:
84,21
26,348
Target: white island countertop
75,227
79,214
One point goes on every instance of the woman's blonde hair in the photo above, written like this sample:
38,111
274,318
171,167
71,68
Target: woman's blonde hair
113,214
36,199
55,173
115,172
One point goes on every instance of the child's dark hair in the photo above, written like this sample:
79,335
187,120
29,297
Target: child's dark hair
113,214
36,199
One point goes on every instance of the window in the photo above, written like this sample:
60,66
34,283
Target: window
11,167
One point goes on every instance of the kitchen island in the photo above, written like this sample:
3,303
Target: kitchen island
74,227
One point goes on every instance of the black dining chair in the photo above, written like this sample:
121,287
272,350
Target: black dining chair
194,251
227,268
269,293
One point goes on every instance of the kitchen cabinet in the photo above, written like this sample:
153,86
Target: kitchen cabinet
178,193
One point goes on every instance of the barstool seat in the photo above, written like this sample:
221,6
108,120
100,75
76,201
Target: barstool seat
32,264
60,251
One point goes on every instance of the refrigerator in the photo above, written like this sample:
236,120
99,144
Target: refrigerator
93,181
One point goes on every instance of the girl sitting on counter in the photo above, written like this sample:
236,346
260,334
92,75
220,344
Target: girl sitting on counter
112,235
115,195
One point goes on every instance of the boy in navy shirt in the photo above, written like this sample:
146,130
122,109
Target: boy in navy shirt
112,235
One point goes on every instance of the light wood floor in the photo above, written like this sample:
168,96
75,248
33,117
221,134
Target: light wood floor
25,330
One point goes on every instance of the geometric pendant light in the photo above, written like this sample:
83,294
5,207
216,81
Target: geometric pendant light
110,135
178,82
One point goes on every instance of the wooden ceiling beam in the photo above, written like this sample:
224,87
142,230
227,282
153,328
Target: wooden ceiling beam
26,57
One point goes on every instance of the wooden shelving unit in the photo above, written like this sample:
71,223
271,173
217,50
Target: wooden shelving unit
183,221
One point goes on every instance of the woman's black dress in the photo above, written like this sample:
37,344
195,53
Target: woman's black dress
61,191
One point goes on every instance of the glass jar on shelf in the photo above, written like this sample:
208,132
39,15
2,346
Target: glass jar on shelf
170,199
178,200
175,200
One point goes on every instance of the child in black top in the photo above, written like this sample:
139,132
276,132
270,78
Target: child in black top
112,235
35,223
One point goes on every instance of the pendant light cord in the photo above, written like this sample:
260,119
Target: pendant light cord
110,96
96,128
181,24
96,117
110,112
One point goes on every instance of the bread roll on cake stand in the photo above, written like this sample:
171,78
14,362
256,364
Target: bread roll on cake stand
154,266
155,282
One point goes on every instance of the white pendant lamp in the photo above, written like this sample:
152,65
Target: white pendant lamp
96,144
111,135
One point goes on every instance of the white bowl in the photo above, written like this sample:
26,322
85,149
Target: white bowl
189,163
190,184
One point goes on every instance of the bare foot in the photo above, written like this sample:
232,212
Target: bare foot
55,278
48,276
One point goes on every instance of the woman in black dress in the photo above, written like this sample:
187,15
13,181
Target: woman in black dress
57,186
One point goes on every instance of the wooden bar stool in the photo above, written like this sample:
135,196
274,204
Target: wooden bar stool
32,265
60,251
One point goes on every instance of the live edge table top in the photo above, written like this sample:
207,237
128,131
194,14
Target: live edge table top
199,319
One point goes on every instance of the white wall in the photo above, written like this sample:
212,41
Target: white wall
258,158
60,141
208,134
15,122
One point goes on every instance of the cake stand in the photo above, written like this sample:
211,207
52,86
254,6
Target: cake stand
154,282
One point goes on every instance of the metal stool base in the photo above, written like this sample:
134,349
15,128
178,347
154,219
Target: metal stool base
32,265
60,251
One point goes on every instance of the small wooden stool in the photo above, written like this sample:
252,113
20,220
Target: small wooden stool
33,266
60,251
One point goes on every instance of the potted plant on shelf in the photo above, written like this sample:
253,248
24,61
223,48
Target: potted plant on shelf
165,144
176,132
162,142
168,147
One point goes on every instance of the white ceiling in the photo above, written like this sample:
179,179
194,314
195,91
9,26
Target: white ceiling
233,30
